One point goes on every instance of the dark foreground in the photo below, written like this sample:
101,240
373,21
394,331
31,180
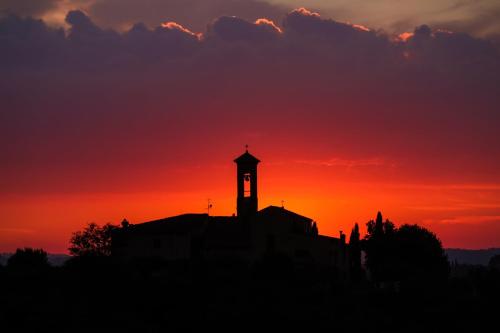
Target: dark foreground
99,295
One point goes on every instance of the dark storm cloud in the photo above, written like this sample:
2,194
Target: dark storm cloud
94,98
306,42
29,43
195,14
234,29
476,17
445,48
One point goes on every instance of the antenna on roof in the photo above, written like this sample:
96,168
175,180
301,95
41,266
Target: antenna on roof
282,203
246,148
209,205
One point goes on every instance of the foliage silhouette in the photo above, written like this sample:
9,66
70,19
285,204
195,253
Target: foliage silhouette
378,245
494,262
410,255
28,259
355,254
93,240
419,257
97,293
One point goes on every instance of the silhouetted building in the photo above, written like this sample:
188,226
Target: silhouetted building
246,180
247,236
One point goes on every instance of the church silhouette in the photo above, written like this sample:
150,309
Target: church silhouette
248,236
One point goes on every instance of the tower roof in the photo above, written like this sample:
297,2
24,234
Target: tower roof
247,158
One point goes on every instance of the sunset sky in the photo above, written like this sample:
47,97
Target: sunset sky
113,109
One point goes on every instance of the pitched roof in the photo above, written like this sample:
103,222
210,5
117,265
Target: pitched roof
280,213
184,223
247,158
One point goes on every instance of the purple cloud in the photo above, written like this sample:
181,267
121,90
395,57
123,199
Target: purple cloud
81,102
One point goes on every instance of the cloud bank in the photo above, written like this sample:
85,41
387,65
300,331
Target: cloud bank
88,93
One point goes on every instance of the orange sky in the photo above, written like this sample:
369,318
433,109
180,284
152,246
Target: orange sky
335,193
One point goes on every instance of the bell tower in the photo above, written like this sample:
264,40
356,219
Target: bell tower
246,179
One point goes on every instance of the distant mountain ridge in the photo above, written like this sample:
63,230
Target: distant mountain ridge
471,257
460,256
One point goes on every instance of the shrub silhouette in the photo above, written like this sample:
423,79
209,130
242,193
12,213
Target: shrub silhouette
274,266
28,259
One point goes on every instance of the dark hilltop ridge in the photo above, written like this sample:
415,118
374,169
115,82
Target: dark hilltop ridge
472,257
455,255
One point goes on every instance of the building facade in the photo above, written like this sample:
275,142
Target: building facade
247,236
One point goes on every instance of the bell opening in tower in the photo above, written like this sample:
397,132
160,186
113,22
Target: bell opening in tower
246,185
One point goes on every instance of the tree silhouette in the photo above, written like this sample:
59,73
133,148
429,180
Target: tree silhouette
355,253
378,245
93,240
410,254
28,259
494,262
419,257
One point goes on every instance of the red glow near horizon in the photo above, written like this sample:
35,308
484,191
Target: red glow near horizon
335,193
